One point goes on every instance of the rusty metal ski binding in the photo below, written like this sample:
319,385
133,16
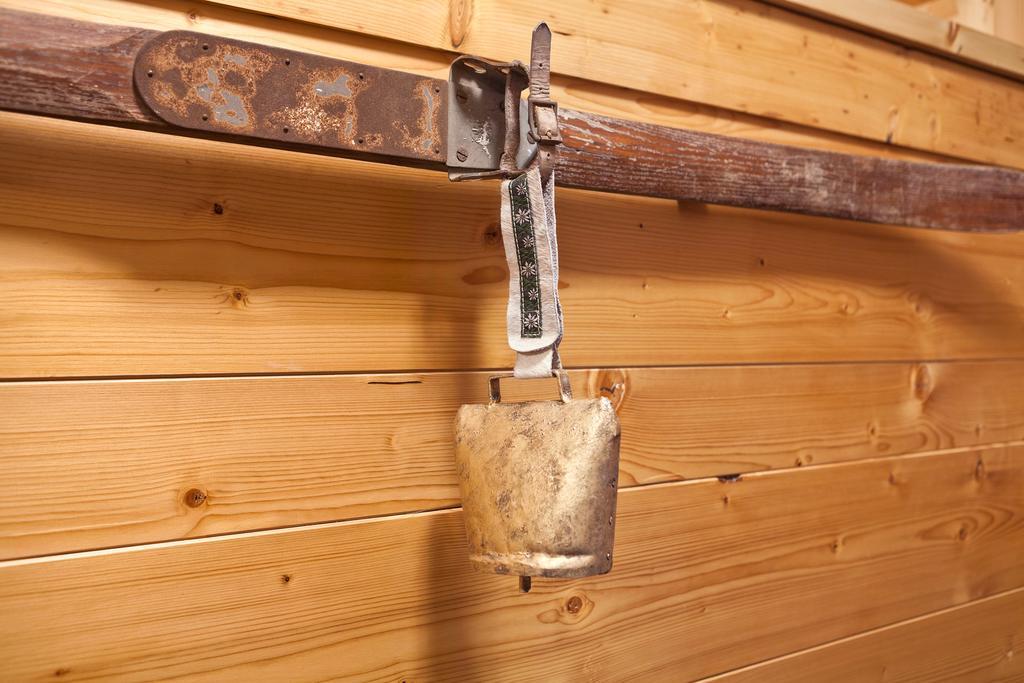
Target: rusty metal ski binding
481,132
492,131
220,85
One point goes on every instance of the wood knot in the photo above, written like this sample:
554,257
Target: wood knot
238,297
923,384
459,14
921,304
195,497
952,32
286,578
573,610
492,234
218,208
611,384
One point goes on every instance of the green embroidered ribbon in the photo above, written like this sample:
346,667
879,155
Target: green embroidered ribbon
534,313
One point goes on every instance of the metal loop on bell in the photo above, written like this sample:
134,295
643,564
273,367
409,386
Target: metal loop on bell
564,386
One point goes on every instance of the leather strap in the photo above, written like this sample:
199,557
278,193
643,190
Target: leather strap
528,225
540,63
543,110
513,87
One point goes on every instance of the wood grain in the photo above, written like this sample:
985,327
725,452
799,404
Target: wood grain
603,153
116,262
69,68
798,557
361,47
736,54
1008,20
916,28
50,65
106,463
129,253
979,642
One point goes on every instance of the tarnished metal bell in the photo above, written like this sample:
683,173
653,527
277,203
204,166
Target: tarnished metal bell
538,483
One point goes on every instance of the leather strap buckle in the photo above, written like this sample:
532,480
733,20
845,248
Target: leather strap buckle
492,131
544,122
543,110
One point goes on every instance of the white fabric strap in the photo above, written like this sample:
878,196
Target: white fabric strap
534,317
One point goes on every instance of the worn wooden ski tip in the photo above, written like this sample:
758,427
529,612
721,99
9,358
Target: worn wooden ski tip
67,68
658,161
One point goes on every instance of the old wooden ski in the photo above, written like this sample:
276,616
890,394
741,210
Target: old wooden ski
195,84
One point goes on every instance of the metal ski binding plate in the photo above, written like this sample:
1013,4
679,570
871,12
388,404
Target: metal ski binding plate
484,141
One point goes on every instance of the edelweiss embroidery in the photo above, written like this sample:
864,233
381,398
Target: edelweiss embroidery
526,254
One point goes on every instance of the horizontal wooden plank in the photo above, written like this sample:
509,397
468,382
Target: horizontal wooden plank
978,642
105,463
569,92
736,54
708,576
132,253
66,67
909,26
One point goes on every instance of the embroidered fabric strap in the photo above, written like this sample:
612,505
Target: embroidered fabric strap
534,317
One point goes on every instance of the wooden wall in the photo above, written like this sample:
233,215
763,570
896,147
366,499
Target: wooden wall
229,376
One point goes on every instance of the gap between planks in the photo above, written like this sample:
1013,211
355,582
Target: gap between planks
793,661
879,543
396,374
267,453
